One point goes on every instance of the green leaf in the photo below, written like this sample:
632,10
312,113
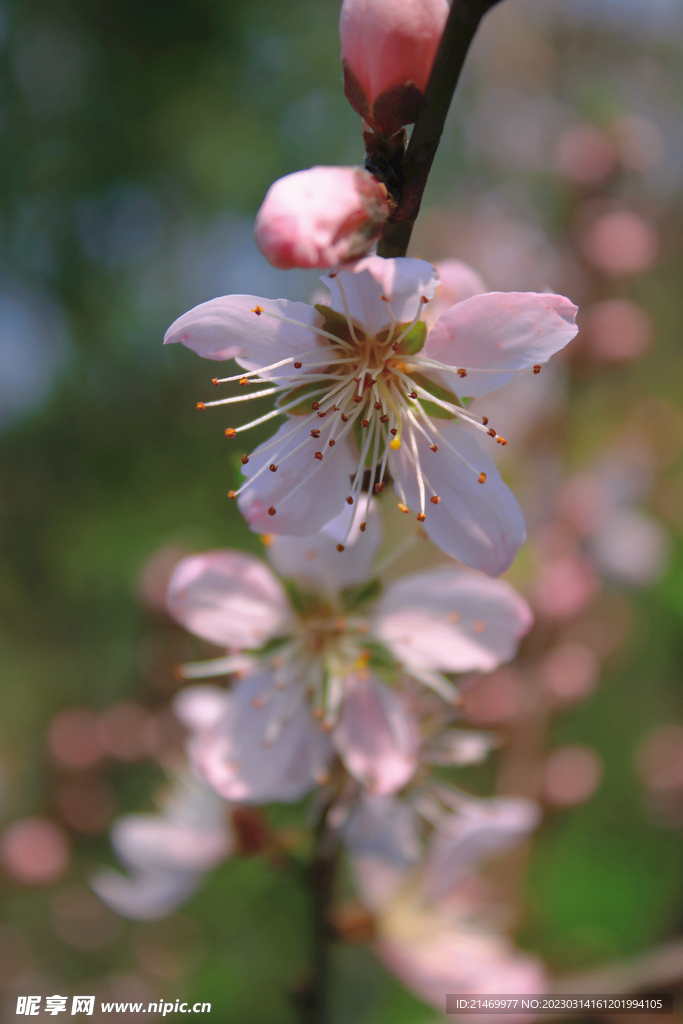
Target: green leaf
337,324
303,602
414,340
355,597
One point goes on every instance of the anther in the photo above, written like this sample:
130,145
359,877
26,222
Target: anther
395,444
244,381
491,432
321,415
271,510
340,547
424,300
362,527
421,517
462,373
377,406
297,366
482,478
315,433
433,447
413,394
365,423
358,398
245,460
403,508
485,420
537,368
384,419
315,405
332,273
332,443
214,380
501,440
380,487
200,405
258,310
479,626
344,418
231,432
382,297
435,499
319,455
349,500
393,431
231,494
272,467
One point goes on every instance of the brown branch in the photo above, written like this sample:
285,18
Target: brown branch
461,26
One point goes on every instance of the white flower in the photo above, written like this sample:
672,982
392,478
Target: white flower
367,387
315,686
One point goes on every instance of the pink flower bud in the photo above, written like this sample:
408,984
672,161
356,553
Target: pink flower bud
388,48
320,217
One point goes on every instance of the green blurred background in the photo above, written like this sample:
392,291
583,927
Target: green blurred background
138,141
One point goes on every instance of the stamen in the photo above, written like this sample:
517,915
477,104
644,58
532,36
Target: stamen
342,293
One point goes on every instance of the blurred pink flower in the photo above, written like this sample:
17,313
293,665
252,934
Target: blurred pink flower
35,851
167,853
321,217
618,330
572,775
435,928
621,242
585,154
369,364
388,48
313,689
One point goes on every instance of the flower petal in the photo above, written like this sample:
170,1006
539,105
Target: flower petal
403,281
384,827
316,560
200,707
478,830
510,331
479,524
148,896
228,328
236,760
458,282
146,842
451,621
314,503
376,736
229,598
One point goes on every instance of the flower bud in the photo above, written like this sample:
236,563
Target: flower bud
320,217
388,48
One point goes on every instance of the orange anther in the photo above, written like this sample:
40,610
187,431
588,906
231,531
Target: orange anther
537,368
433,447
362,527
230,432
349,500
319,455
245,459
244,380
258,310
231,494
403,508
421,517
200,405
340,547
272,467
482,478
271,510
435,499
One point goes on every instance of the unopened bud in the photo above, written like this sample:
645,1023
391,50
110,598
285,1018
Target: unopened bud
388,48
321,217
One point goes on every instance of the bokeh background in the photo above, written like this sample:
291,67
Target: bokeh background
138,140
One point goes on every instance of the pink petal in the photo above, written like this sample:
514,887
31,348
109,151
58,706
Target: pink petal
235,758
509,331
402,281
147,896
228,328
458,282
478,830
318,500
151,841
321,216
451,621
316,561
479,524
376,736
200,707
229,598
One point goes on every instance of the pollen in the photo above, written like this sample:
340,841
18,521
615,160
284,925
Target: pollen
258,310
421,517
340,547
403,508
537,368
231,432
482,478
244,381
271,510
318,455
232,494
214,380
272,467
245,459
501,440
200,405
395,444
435,499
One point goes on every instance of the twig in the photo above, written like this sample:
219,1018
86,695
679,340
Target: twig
463,21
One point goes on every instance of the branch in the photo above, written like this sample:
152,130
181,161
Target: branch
461,26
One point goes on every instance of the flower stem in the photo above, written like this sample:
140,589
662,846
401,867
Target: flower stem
461,26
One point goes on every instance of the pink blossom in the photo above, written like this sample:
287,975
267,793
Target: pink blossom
364,380
320,217
388,49
167,853
314,690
